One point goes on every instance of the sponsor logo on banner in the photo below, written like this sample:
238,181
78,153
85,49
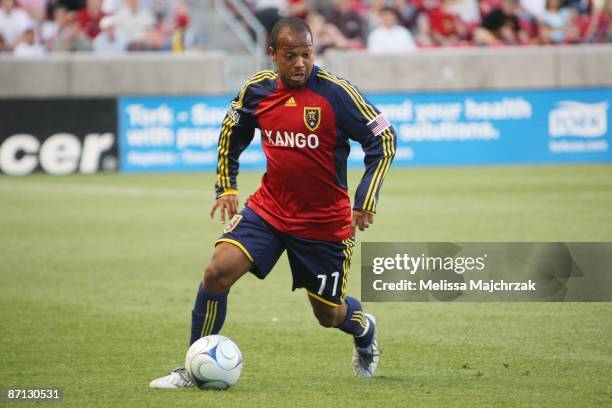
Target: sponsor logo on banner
58,136
572,118
61,153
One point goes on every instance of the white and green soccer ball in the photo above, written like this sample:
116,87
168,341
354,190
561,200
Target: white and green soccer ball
214,362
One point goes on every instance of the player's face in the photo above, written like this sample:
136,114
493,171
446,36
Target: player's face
294,57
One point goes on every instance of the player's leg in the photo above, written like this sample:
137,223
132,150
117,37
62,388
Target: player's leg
348,317
248,244
229,262
322,268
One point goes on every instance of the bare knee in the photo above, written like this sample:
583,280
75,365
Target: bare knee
328,316
228,264
216,280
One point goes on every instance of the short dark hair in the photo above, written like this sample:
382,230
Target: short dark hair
392,10
294,24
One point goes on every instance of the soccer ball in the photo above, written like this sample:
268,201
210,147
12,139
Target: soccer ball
214,362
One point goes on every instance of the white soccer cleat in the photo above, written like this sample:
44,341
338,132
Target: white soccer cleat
365,359
178,378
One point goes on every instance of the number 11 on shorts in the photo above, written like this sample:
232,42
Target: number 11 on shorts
324,280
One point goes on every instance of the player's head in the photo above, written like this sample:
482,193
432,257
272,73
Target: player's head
292,51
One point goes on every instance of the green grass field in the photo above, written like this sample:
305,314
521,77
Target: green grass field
98,275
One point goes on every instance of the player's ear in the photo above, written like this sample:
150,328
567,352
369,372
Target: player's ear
272,54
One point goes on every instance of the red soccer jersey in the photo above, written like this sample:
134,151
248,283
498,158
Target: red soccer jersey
305,136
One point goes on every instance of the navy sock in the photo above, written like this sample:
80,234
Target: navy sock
356,323
208,314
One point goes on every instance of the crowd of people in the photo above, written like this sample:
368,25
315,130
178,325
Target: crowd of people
399,26
37,27
32,28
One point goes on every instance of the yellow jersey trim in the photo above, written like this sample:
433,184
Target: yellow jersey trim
320,299
238,244
229,191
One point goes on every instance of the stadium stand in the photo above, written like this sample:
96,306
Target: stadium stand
37,27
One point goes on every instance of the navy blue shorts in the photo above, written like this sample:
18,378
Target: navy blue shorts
321,267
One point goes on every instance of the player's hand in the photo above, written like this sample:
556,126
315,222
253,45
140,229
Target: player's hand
361,220
226,204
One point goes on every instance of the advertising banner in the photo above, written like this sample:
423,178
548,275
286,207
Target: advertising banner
433,129
507,127
58,136
176,134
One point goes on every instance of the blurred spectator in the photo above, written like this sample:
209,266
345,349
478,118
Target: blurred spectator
501,27
390,37
269,12
535,8
89,17
600,26
556,24
326,36
71,37
13,22
423,36
37,11
447,28
3,45
407,12
134,20
158,36
466,10
373,15
110,40
50,29
29,46
349,22
580,6
299,8
71,5
111,7
183,37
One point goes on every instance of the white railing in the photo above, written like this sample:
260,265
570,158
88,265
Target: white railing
256,46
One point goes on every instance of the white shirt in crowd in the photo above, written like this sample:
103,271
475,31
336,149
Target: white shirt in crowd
394,40
26,50
103,44
534,7
12,25
135,25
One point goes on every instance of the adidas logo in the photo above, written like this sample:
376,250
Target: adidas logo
290,102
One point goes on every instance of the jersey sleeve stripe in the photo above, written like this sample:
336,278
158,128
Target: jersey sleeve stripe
223,173
388,152
365,202
370,202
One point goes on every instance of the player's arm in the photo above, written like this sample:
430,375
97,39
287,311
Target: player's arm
365,124
237,132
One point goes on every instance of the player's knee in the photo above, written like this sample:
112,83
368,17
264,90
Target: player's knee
327,317
216,280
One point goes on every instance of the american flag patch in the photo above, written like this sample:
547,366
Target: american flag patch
378,125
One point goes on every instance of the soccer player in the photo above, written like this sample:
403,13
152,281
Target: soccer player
306,117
